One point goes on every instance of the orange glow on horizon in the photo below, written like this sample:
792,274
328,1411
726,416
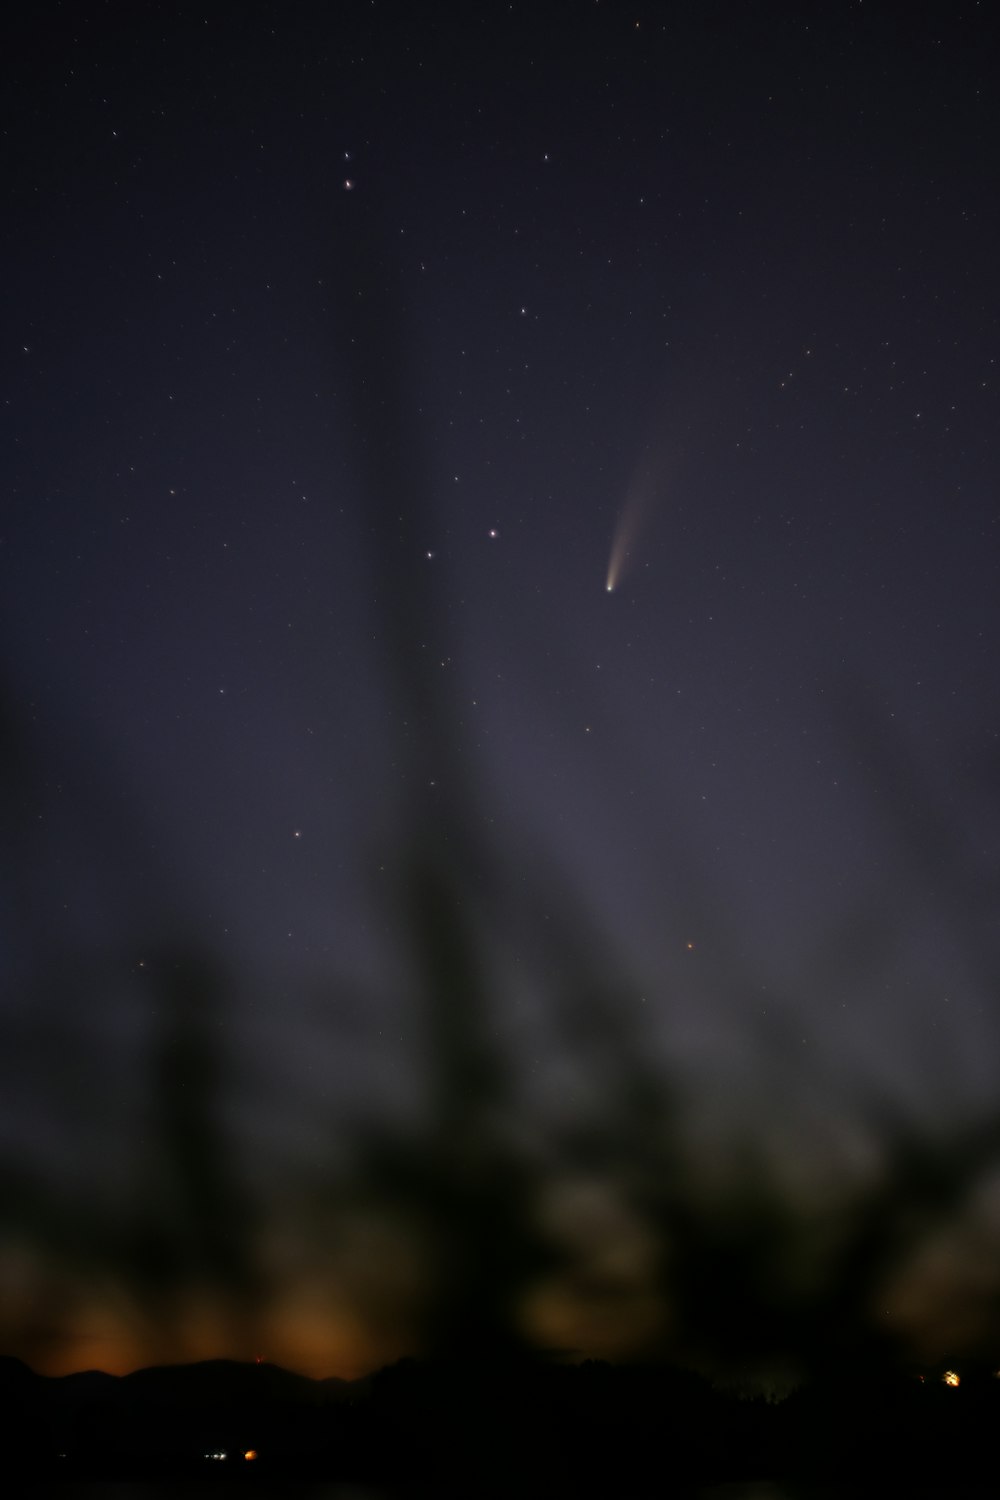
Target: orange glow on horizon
304,1332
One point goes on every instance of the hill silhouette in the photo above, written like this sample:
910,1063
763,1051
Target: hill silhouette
525,1426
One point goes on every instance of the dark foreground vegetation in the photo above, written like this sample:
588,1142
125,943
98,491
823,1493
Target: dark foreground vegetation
524,1428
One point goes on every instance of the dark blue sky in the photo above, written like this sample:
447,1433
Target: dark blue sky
339,342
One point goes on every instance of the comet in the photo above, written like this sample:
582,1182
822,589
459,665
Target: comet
656,464
627,529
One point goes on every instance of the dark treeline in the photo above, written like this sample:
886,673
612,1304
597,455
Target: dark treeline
521,1427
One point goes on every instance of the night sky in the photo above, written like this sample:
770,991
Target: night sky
403,931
